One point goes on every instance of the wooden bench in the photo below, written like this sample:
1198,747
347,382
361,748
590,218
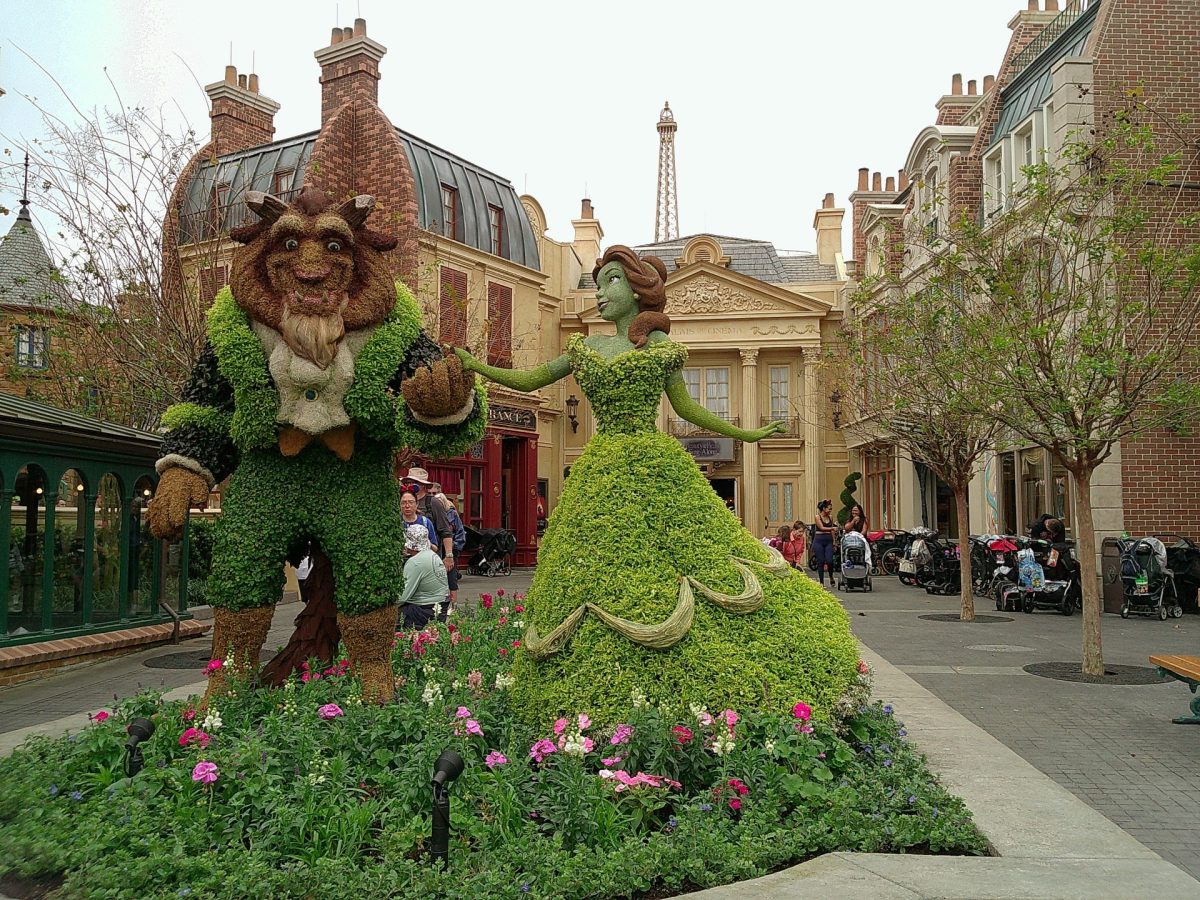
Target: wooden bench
1187,670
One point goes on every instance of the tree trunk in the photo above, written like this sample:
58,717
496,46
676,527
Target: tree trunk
967,592
1085,552
317,634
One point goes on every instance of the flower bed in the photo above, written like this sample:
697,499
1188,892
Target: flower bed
305,791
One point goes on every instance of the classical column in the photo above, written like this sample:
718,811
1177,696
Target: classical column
751,489
814,444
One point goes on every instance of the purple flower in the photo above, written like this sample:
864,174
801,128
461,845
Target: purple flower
54,790
887,763
495,758
76,795
205,772
330,711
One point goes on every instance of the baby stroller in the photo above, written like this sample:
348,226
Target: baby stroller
855,571
1147,583
494,554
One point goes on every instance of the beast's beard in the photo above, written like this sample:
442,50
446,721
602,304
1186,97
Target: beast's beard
313,326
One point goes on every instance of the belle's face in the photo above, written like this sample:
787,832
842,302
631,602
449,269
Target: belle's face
408,506
614,296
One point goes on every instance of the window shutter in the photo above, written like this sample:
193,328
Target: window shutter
499,325
212,280
452,312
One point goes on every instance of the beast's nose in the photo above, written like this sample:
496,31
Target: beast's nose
312,276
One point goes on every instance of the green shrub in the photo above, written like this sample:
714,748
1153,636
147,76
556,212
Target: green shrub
309,807
617,543
847,496
201,533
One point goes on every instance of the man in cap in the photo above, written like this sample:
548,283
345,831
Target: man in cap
427,505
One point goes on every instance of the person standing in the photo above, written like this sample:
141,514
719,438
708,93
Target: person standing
823,542
458,534
408,511
424,596
442,536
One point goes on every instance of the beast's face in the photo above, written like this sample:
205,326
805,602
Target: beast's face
312,271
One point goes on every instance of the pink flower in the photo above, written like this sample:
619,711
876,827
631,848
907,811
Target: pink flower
485,601
806,728
503,651
740,786
518,608
611,761
475,680
704,719
735,804
330,711
495,758
193,736
730,717
802,711
189,714
621,735
213,666
473,728
541,750
503,612
499,592
863,669
516,643
462,713
205,772
99,717
560,726
583,721
683,734
588,745
503,620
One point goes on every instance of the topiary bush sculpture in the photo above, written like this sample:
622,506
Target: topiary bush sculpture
315,370
647,585
847,496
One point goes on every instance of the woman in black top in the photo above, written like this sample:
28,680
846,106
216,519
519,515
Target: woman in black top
823,542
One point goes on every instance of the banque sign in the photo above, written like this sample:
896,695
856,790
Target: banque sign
512,417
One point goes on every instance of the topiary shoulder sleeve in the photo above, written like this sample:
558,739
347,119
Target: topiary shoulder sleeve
198,427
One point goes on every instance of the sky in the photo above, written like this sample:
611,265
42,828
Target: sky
777,102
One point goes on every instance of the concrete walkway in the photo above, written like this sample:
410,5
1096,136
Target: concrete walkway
1050,842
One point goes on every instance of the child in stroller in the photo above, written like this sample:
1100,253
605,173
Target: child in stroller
1147,584
493,551
855,572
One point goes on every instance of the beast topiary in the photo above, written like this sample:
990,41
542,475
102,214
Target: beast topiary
847,496
646,583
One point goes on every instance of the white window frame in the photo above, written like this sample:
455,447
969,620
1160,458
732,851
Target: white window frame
704,384
994,181
33,347
779,403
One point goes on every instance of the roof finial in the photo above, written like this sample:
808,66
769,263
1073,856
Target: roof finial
25,191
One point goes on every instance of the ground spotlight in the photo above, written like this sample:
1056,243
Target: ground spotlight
139,730
448,767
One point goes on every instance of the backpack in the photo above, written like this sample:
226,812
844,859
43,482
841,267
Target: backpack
456,525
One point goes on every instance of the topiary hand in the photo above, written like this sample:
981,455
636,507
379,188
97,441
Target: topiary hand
178,490
772,428
440,390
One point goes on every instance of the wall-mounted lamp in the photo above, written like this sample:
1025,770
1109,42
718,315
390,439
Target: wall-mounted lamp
572,409
835,400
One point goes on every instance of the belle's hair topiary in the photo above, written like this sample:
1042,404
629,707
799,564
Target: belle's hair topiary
647,276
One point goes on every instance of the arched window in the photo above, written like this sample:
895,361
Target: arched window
70,526
106,551
27,551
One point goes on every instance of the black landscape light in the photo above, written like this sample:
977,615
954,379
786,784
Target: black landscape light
139,730
448,767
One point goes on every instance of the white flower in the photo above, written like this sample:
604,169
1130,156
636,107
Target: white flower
637,698
455,684
428,669
212,721
722,744
573,745
432,693
437,610
504,680
698,710
769,746
313,778
518,624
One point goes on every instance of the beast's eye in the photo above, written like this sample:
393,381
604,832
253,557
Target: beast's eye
291,244
334,246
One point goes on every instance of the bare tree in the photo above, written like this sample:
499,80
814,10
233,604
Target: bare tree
130,337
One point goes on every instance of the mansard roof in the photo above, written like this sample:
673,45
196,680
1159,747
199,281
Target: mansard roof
256,168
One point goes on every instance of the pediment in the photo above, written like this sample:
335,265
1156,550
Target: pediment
708,290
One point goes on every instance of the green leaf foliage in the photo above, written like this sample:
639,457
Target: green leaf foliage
847,496
634,517
310,807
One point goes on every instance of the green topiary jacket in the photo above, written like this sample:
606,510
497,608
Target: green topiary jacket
231,404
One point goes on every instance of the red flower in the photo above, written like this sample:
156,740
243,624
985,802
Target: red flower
516,643
683,734
499,592
486,600
503,651
519,608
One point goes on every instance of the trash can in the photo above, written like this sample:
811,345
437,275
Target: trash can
1110,575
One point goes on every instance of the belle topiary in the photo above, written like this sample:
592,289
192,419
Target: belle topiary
315,370
647,585
847,496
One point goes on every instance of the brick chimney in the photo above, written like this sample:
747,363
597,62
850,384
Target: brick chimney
349,68
870,190
241,116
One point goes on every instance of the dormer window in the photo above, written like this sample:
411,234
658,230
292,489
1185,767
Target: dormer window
449,211
496,227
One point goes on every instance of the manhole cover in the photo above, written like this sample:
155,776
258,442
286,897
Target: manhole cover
1070,671
1000,648
192,659
950,617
